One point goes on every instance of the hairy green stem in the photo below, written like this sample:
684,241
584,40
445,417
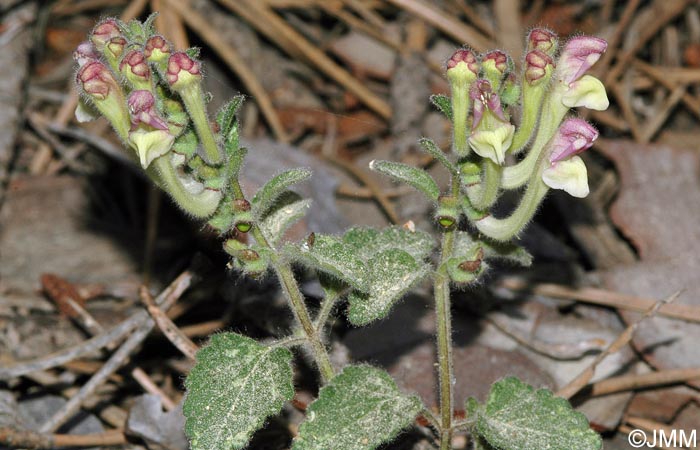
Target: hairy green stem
193,98
483,195
201,204
509,227
532,99
301,312
554,111
444,333
325,312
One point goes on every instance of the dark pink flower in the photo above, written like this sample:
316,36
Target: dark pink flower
143,111
134,63
484,98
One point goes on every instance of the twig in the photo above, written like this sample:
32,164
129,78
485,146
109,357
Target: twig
658,119
462,33
623,339
104,145
16,438
614,40
68,156
233,59
606,298
165,300
168,327
277,30
560,351
384,202
643,381
670,10
114,362
151,387
662,77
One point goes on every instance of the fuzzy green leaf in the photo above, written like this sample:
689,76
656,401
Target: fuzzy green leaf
288,209
369,241
518,417
266,195
358,410
226,118
235,385
330,255
414,177
393,272
443,104
433,150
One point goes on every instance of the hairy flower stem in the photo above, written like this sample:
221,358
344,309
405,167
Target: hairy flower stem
301,312
483,195
444,333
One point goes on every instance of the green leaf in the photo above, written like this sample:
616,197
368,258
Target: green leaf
369,241
414,177
331,255
358,410
518,417
393,273
235,384
433,150
226,117
443,104
266,195
288,209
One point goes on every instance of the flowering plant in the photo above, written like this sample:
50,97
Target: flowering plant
153,97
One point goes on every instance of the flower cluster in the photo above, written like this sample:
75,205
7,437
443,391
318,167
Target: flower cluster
152,95
485,94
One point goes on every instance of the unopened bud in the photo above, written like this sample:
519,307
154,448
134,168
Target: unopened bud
157,49
113,51
104,32
182,71
538,67
96,80
543,40
136,70
84,53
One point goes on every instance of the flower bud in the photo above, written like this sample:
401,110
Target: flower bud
182,71
104,32
96,80
97,83
496,65
543,40
113,51
538,67
157,49
84,53
463,62
135,68
142,106
579,54
447,211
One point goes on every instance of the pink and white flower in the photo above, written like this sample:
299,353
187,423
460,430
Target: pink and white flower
566,169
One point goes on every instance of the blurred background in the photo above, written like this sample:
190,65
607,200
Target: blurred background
332,85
